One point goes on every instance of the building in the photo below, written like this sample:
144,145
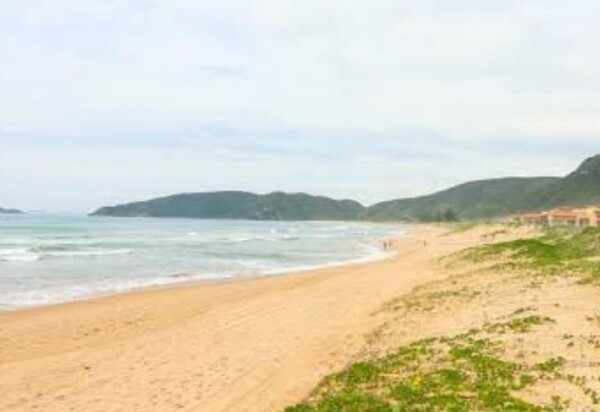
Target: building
564,217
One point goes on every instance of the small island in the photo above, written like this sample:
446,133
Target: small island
10,211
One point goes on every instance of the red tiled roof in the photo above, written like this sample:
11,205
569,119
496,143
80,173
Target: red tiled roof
564,214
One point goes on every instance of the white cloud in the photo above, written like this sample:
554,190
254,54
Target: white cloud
252,77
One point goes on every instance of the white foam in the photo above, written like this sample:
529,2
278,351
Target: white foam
33,254
83,253
374,256
79,266
18,255
15,300
13,251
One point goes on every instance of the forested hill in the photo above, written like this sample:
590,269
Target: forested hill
241,205
473,200
482,199
582,187
498,197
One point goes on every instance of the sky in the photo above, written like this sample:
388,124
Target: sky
108,101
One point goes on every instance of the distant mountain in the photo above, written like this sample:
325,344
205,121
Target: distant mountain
482,199
240,205
473,200
10,211
498,197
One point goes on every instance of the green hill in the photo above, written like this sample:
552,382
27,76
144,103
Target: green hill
582,187
241,205
482,199
473,200
498,197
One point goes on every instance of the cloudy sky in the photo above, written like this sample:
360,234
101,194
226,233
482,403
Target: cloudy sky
104,101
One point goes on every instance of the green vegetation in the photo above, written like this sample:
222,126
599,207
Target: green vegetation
518,325
448,215
554,253
551,365
493,367
241,205
582,187
427,301
460,373
474,200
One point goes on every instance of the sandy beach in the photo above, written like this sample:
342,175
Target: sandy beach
254,345
299,206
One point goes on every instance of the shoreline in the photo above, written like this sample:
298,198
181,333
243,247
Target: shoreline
194,280
226,280
249,344
147,267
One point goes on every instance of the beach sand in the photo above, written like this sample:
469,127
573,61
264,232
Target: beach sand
255,345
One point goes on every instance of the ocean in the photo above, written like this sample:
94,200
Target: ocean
46,259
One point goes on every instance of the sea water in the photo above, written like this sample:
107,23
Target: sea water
47,259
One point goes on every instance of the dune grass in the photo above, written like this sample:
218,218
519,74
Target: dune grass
470,371
556,252
466,372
